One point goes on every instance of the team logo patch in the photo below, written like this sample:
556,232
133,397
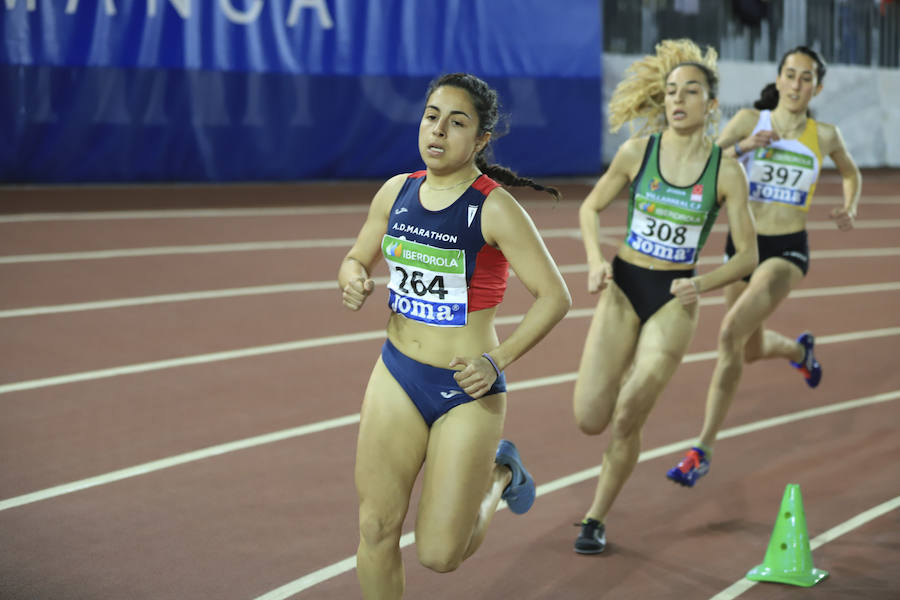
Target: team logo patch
654,184
697,193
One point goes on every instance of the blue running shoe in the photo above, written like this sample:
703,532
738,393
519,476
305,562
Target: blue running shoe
520,492
810,367
692,467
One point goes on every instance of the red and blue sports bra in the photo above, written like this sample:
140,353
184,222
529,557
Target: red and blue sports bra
441,268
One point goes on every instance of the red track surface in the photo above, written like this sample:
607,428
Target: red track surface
242,523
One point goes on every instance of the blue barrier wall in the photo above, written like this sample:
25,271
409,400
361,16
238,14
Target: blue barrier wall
243,90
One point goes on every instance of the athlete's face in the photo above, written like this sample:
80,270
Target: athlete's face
687,99
448,133
797,83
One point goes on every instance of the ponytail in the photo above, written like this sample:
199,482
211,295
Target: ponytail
508,177
768,98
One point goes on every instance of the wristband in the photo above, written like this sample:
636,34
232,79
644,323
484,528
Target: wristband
737,149
493,364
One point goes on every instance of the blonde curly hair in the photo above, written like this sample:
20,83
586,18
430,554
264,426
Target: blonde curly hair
641,94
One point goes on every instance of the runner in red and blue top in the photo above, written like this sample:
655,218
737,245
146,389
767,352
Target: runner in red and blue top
437,394
464,274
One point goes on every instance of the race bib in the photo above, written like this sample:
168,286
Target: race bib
427,284
665,232
778,175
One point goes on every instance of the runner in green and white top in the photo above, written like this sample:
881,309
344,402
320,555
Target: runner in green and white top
669,222
647,311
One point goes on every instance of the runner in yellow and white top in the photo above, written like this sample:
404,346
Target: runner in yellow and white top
786,170
781,148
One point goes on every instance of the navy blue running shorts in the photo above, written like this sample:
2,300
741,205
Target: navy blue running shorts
432,389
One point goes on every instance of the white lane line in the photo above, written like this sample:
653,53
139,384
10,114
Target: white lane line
170,250
567,232
330,284
180,459
324,209
348,564
189,213
352,419
196,359
256,290
742,585
190,360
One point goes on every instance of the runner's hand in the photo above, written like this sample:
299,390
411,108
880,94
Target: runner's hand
474,375
843,218
761,138
686,290
599,277
356,292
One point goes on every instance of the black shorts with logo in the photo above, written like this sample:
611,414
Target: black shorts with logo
646,289
792,247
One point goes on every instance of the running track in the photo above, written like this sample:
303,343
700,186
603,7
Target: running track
179,392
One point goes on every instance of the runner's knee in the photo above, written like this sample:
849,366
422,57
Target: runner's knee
377,528
594,411
632,412
439,556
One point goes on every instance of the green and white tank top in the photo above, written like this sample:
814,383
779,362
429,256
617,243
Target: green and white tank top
669,222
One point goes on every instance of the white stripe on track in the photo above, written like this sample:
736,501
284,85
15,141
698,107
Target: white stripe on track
177,250
311,286
188,213
190,360
742,585
180,459
348,564
267,438
323,209
330,284
348,338
567,232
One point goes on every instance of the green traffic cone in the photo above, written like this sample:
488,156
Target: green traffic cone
788,558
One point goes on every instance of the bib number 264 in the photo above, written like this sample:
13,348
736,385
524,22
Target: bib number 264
416,281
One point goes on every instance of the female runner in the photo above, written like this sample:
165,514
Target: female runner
437,394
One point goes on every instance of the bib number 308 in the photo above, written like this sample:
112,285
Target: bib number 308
664,231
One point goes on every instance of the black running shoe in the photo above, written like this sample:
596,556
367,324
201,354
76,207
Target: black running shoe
592,539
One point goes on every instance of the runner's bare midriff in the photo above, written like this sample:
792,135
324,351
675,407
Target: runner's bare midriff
437,346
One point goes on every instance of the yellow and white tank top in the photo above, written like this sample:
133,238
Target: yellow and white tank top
786,171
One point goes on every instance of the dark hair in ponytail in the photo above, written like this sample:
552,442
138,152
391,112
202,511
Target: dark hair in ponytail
487,105
768,98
